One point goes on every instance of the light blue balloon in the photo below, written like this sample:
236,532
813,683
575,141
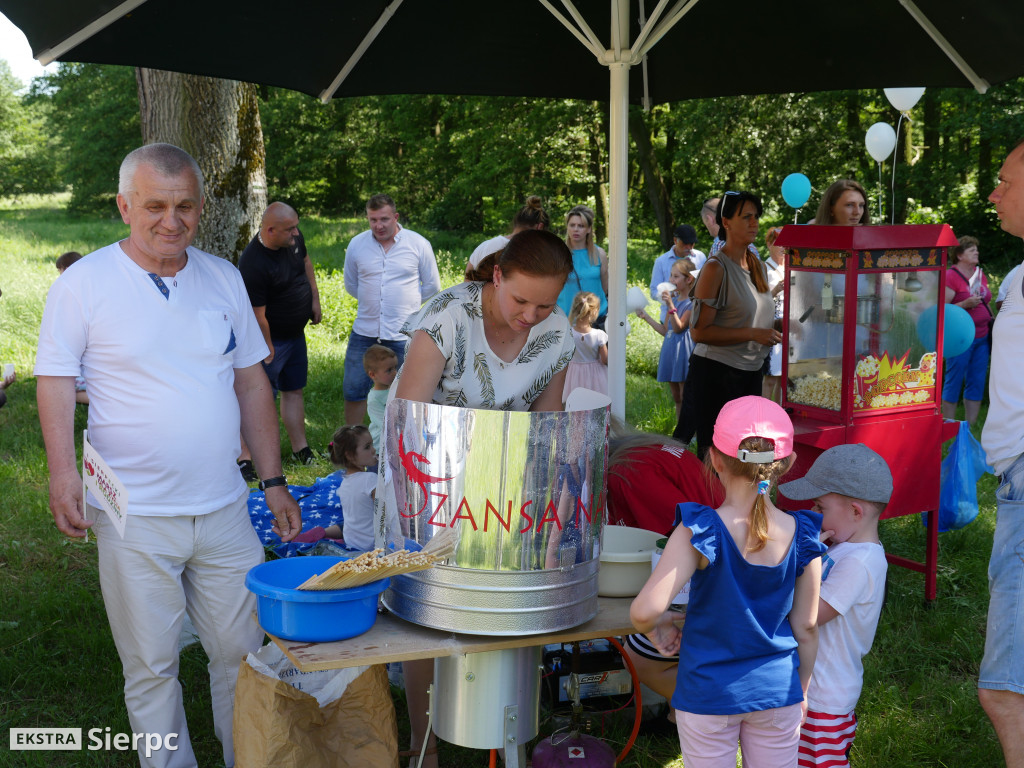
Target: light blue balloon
958,332
796,190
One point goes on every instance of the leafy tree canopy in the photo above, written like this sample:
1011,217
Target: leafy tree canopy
467,163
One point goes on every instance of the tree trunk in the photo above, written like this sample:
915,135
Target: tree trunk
654,184
931,129
599,171
218,123
984,164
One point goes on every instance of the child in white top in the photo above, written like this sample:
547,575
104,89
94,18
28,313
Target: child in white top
589,365
674,361
850,485
352,450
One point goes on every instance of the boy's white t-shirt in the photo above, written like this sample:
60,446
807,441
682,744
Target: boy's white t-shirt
357,509
853,583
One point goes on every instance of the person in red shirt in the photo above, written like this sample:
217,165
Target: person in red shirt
648,475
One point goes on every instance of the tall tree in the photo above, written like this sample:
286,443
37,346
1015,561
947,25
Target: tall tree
218,123
654,184
27,150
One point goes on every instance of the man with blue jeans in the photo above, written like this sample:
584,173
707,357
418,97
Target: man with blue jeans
390,271
282,287
1001,678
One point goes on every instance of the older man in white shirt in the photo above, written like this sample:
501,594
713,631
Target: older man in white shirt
390,271
1001,675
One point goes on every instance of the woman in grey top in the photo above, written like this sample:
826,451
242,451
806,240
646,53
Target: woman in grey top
732,323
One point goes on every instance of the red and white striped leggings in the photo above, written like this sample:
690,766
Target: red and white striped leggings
825,740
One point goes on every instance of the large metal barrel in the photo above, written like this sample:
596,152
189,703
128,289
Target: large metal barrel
523,494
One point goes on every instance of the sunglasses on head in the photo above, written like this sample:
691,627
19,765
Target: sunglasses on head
725,196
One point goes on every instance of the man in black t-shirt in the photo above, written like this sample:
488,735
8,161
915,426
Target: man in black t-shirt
282,288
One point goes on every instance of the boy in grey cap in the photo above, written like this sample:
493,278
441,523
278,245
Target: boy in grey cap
850,486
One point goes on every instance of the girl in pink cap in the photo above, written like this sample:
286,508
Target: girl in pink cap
747,648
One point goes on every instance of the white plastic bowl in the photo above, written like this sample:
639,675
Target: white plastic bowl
625,563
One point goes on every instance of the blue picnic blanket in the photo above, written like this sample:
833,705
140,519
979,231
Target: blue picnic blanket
320,507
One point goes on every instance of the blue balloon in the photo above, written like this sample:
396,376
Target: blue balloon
958,333
796,190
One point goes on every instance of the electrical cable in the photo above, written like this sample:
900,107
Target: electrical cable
639,705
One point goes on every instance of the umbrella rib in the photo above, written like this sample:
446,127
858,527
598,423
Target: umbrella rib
357,54
587,37
642,46
648,24
53,52
981,85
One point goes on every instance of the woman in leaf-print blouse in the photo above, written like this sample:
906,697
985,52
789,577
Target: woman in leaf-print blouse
501,344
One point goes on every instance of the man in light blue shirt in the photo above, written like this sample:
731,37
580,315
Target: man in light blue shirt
683,240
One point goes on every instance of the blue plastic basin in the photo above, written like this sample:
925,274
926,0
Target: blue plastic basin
309,615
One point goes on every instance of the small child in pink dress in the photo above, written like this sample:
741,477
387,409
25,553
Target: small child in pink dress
589,366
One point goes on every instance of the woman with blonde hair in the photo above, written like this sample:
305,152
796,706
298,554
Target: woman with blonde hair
589,261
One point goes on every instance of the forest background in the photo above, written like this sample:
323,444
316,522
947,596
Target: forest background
465,164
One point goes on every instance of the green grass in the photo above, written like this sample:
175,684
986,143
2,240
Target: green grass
58,665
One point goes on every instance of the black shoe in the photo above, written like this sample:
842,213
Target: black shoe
248,471
305,456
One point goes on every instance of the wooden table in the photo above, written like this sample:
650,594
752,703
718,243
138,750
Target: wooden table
394,639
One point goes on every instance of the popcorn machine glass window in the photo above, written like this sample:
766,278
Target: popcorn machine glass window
860,329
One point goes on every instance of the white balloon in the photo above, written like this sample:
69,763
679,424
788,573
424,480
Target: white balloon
903,99
635,299
880,141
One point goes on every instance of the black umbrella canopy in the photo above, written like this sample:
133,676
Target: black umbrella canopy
495,47
585,49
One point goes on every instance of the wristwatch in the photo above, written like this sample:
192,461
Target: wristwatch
273,482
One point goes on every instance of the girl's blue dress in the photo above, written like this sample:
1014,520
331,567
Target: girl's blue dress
676,348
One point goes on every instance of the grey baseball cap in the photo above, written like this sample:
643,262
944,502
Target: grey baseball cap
851,470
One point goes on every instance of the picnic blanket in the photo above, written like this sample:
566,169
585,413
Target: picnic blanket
320,508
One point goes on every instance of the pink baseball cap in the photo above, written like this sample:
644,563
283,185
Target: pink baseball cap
753,416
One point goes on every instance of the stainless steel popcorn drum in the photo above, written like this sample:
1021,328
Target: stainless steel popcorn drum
522,495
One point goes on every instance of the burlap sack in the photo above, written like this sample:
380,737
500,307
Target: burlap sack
277,726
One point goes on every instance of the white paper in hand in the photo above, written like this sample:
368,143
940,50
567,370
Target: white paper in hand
104,485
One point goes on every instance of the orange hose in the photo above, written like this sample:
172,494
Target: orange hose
493,762
636,692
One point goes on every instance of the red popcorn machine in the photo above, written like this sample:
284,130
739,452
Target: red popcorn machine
862,356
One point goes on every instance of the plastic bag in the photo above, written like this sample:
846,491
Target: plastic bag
958,484
285,718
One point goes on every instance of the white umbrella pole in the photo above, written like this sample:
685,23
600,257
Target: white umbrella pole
618,156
